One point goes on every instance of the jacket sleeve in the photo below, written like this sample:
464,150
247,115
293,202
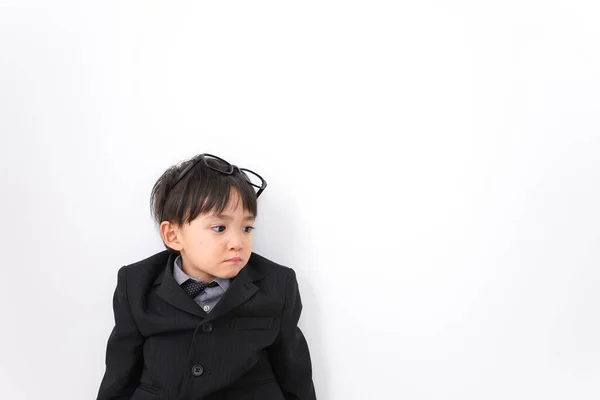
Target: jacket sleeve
124,349
289,354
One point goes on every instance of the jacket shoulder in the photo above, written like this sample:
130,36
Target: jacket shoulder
159,258
269,267
146,269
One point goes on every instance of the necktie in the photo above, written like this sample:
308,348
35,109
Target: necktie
194,288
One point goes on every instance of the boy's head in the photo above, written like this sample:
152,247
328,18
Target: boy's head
206,215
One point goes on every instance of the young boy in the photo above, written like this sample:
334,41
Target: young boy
207,318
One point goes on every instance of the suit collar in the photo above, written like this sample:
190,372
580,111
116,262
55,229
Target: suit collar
170,291
242,287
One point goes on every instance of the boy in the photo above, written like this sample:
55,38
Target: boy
207,318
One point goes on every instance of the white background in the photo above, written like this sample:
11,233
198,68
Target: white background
433,173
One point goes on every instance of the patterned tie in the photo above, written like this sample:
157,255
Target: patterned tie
194,288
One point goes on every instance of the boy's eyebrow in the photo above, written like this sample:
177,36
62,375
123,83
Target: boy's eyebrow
228,218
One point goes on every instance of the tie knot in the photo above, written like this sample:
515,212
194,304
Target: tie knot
194,288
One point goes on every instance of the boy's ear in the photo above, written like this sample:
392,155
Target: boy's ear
170,235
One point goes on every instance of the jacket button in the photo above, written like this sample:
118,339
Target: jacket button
197,370
207,327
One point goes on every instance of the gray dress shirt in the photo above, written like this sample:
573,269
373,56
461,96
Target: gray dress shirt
210,296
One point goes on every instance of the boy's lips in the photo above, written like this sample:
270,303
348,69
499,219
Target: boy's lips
234,259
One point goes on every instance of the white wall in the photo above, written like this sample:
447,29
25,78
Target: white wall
433,179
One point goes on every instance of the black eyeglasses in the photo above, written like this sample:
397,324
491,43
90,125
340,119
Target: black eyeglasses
218,164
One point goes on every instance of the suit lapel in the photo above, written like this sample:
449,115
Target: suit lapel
240,290
170,291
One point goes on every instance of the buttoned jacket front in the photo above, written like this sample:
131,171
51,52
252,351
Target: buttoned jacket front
164,346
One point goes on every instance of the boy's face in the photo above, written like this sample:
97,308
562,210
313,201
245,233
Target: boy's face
209,242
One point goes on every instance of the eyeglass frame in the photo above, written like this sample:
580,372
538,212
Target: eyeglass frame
232,168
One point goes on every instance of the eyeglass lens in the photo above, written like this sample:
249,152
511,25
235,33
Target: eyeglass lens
225,167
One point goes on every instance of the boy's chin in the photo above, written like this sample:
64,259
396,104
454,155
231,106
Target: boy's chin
229,273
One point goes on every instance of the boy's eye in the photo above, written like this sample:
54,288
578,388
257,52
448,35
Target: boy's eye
221,228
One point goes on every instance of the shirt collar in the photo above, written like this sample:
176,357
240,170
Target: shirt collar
181,276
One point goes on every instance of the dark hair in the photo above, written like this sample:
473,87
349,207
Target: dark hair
201,191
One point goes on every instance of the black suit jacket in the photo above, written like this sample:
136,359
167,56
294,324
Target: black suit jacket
165,347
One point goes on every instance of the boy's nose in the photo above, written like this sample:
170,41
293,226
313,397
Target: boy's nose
236,242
